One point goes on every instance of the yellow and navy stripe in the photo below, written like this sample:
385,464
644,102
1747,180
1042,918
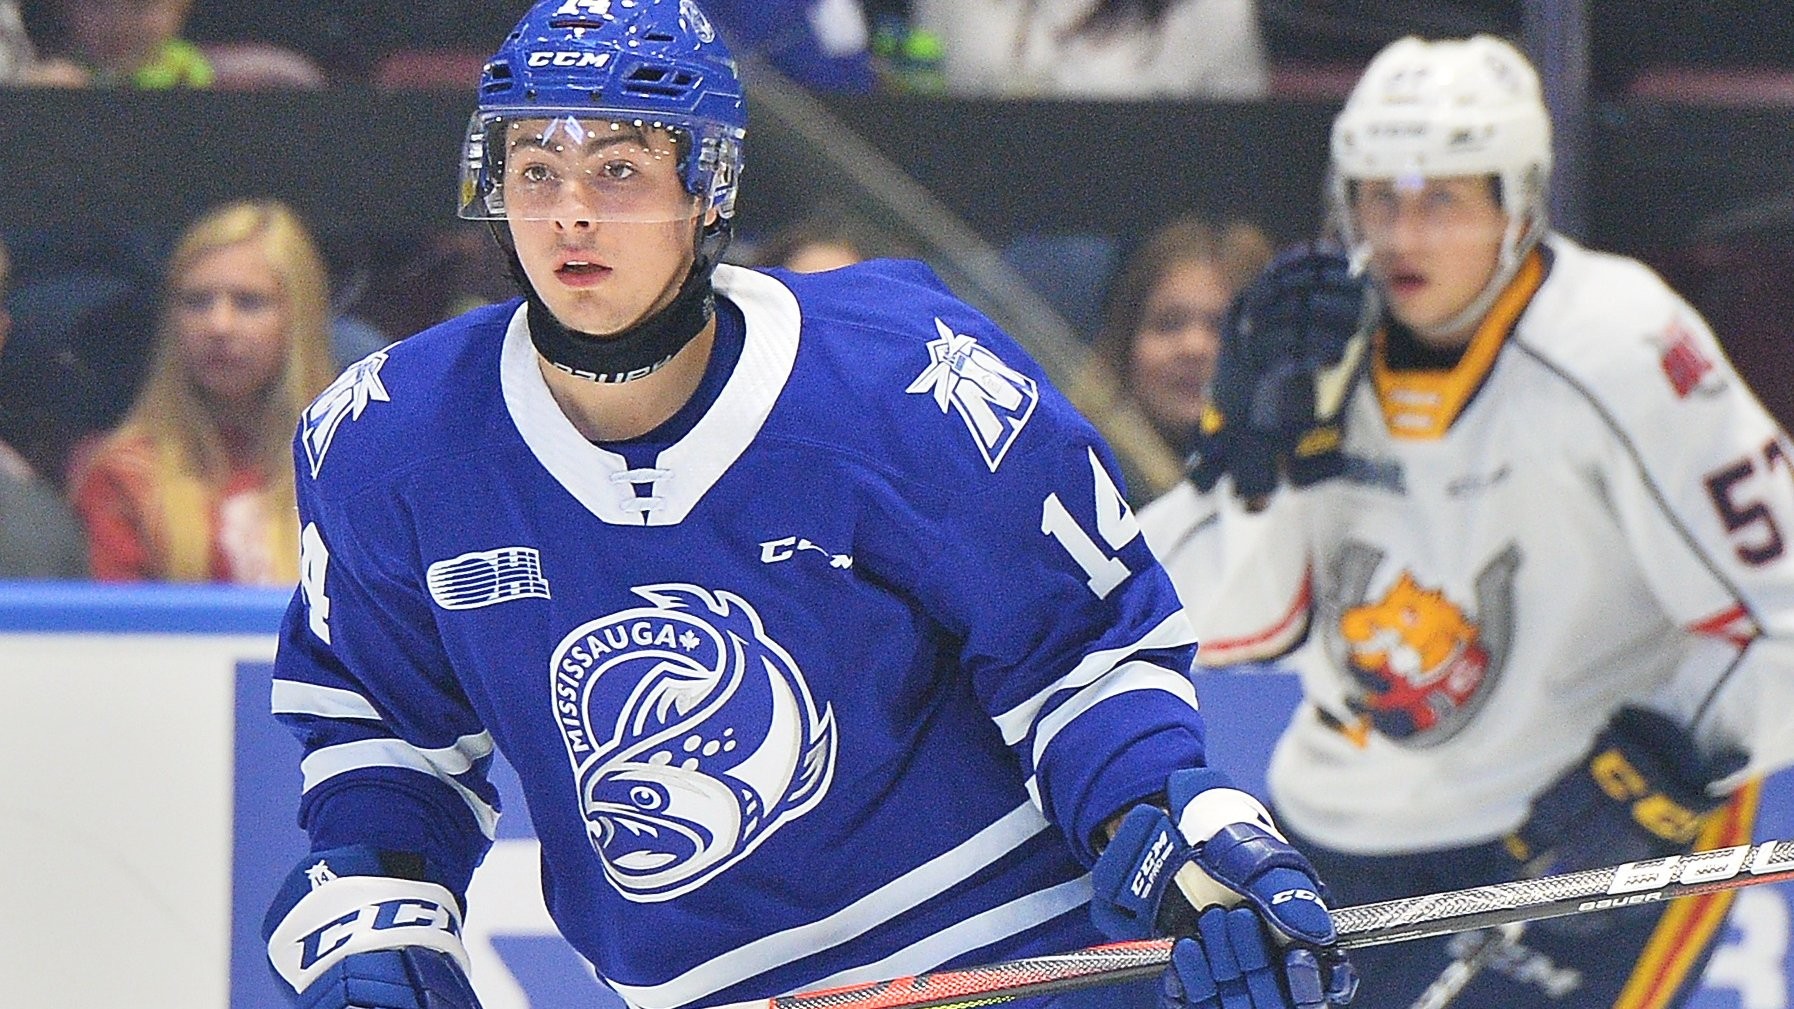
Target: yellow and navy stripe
1678,947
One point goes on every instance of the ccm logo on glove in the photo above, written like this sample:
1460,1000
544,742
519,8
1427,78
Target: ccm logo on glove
376,917
358,914
1285,896
1151,865
1654,811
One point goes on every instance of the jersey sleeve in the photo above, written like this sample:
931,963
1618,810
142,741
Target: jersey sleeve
394,755
1701,480
1069,631
1244,576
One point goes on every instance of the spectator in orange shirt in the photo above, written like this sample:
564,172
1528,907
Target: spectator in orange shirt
196,484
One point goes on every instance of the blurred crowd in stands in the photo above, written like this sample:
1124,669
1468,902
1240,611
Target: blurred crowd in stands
159,449
1073,48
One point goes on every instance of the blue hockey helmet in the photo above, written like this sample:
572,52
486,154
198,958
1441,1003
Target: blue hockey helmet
574,66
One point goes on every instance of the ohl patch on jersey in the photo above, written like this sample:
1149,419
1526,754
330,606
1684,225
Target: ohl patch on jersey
692,734
993,399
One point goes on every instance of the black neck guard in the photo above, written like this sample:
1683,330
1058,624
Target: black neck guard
643,348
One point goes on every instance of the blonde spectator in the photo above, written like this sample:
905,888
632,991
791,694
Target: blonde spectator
197,483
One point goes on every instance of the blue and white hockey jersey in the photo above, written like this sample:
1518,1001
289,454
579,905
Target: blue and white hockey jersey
838,685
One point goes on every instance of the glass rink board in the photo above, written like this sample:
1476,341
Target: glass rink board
149,813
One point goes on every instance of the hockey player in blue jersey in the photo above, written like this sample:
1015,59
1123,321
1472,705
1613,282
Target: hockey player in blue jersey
811,617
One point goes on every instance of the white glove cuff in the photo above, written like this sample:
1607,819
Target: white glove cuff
1205,814
359,914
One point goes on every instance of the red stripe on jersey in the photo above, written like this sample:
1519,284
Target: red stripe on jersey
1734,625
1291,620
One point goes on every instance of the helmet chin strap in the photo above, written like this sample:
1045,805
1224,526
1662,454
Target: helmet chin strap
638,351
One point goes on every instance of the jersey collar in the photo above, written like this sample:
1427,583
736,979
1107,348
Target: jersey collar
601,479
1421,404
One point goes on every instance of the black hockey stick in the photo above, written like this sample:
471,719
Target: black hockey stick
1627,885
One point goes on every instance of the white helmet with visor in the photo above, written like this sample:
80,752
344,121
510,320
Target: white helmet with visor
1448,108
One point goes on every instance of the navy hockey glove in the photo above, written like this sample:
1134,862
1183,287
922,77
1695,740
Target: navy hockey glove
1640,793
1211,866
353,928
1291,349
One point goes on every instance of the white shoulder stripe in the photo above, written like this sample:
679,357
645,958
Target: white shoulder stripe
1015,723
291,697
1127,677
881,905
962,937
327,762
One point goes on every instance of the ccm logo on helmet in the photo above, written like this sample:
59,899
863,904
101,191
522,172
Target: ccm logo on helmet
564,59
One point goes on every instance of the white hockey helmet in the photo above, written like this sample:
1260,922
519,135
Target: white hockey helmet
1453,107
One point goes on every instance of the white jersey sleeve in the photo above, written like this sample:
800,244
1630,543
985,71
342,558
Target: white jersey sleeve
1243,576
1701,483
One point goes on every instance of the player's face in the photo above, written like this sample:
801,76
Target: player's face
1174,350
601,220
1434,244
230,321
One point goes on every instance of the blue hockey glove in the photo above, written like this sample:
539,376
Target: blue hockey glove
353,928
1640,793
409,978
1211,866
1291,350
1234,963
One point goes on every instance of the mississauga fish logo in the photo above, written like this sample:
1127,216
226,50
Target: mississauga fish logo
692,736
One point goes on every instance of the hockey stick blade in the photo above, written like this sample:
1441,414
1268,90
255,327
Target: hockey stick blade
1628,885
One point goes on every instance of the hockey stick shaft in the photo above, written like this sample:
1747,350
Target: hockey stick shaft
1627,885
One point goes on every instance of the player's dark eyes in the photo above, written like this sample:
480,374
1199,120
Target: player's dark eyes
536,174
618,170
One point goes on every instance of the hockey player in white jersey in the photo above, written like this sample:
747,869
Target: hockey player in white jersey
1540,596
809,614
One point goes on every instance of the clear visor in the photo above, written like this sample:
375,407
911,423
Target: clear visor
1455,210
576,168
